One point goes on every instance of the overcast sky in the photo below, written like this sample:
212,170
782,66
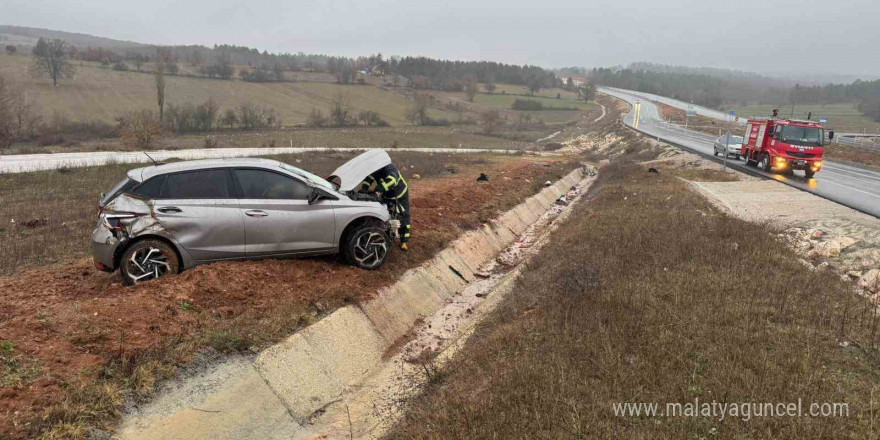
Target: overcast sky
805,36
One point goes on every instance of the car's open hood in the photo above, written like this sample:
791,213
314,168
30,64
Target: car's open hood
353,172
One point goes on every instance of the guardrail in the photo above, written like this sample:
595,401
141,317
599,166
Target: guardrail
860,142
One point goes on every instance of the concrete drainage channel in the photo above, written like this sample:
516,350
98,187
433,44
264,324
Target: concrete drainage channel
333,380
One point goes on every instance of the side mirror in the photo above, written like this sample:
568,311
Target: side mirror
314,196
831,134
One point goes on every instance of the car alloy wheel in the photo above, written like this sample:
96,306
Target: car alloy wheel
370,249
147,262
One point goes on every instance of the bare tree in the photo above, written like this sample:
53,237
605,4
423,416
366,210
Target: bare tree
51,58
490,87
161,65
229,119
587,91
471,87
535,85
459,109
195,58
18,120
7,131
418,111
340,110
491,121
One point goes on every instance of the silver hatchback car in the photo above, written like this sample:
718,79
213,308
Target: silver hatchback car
165,218
733,149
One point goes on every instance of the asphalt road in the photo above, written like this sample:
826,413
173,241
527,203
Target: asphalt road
855,187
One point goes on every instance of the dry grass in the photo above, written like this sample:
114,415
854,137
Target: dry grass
47,217
349,137
846,153
101,94
648,294
14,369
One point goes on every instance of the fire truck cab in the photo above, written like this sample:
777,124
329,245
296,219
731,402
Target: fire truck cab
784,145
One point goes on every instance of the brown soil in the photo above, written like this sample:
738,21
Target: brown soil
75,323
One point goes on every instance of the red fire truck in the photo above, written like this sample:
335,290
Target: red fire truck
784,144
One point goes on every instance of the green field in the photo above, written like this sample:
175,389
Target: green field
841,117
505,101
512,89
102,94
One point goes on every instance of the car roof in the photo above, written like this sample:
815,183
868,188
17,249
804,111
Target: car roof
142,174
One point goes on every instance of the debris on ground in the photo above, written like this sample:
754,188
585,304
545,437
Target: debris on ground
548,183
654,170
483,178
855,259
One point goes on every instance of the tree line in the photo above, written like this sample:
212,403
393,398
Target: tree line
717,88
691,87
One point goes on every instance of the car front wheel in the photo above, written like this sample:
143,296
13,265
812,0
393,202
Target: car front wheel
367,247
147,260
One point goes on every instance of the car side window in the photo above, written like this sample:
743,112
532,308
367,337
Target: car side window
203,184
261,184
151,189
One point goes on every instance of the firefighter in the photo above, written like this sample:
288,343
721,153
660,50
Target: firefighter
390,184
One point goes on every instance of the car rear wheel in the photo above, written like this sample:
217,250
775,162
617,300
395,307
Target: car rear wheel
147,260
367,247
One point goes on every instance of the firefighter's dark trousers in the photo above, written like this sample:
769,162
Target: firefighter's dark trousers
404,214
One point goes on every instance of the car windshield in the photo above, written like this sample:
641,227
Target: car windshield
793,134
309,176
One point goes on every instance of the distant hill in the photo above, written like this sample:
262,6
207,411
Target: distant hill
26,37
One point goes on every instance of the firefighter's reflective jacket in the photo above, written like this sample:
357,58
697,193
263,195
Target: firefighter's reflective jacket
388,182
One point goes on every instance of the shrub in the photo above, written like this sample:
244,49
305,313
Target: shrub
526,105
316,118
442,122
492,121
371,118
120,66
188,118
252,117
140,129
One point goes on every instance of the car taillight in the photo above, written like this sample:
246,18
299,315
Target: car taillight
111,219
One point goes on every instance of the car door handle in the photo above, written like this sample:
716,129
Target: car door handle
256,213
169,210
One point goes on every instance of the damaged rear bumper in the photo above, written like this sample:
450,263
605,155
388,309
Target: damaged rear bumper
103,248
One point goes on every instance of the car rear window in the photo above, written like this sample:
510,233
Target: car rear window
205,184
121,187
151,189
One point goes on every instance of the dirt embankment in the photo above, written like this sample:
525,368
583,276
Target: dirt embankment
84,338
